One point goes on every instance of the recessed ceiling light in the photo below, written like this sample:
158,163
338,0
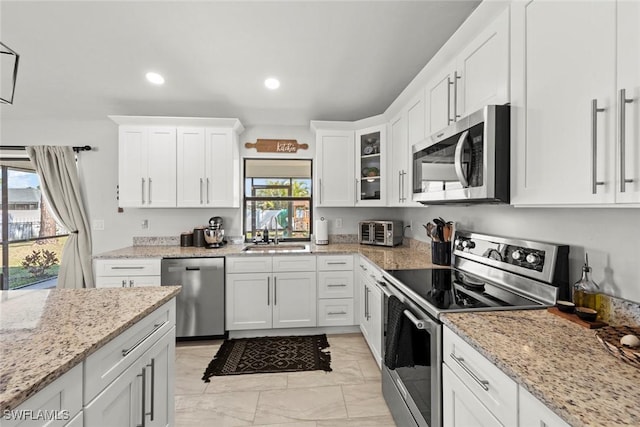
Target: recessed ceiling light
272,83
155,78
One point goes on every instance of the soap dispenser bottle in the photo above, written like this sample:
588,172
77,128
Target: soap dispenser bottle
586,292
265,234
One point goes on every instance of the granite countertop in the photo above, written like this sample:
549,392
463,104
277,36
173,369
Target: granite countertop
45,333
411,256
559,362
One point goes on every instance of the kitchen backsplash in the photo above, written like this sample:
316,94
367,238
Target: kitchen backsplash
624,312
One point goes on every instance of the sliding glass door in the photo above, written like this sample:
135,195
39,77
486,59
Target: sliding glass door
31,239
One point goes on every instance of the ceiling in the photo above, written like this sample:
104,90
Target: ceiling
84,60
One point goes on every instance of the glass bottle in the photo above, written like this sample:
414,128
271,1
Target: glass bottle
586,292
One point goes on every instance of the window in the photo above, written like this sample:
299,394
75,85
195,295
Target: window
31,240
278,197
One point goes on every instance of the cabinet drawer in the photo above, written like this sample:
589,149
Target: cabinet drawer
64,394
249,264
335,262
490,385
335,284
128,267
534,413
126,281
335,312
103,366
294,263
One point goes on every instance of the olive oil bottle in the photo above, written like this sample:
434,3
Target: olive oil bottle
586,292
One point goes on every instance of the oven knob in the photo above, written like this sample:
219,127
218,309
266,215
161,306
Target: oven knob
533,259
468,244
516,255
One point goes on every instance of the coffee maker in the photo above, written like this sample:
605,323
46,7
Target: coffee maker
214,234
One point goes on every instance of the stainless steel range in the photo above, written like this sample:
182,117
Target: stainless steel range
487,273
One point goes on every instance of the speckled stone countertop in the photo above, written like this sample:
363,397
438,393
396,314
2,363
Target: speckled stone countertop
401,257
45,333
559,362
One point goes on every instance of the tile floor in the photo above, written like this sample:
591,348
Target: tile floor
350,395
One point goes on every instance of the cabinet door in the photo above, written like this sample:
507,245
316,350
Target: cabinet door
375,323
371,168
439,101
335,168
557,75
249,300
397,160
628,42
112,281
132,172
460,408
483,68
533,413
160,374
222,182
120,404
294,299
191,167
161,167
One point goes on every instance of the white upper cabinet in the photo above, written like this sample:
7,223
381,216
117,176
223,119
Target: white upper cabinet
147,167
178,161
628,67
406,129
208,167
335,168
371,168
478,76
567,125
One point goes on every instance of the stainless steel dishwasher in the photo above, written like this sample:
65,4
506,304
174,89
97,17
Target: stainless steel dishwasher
200,303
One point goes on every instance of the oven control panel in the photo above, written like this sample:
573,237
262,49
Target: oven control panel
524,257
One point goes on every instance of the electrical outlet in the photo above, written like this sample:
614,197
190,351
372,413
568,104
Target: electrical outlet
144,224
98,224
338,222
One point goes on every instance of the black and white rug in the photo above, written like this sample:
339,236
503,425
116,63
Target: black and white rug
270,354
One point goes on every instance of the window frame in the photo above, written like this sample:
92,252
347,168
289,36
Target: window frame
252,198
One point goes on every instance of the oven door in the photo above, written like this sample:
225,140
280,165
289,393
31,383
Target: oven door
415,393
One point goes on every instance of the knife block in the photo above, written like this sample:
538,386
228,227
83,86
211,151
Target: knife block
441,253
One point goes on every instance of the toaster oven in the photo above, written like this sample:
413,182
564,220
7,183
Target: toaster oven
381,233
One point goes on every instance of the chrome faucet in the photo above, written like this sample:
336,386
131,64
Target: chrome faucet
275,238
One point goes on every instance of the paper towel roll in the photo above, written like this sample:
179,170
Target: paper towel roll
322,232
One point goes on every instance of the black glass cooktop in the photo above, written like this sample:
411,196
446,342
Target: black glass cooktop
448,289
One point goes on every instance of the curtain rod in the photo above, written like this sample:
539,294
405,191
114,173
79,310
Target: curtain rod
22,147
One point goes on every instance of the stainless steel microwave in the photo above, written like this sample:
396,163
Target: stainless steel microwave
467,162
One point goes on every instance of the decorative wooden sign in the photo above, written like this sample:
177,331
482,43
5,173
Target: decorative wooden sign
276,145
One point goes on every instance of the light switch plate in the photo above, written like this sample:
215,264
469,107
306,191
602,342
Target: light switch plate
338,222
98,224
144,224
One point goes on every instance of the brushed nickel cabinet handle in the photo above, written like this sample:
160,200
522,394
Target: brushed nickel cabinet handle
208,191
456,77
126,351
149,190
142,191
331,313
275,291
268,290
200,190
449,83
152,365
460,361
623,101
594,145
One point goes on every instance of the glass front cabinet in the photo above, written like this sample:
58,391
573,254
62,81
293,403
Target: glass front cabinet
371,166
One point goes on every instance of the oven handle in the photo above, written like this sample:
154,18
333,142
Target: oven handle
458,159
417,322
383,288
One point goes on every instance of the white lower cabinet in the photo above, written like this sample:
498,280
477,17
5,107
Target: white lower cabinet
268,292
460,407
533,413
335,290
59,403
129,381
370,308
126,273
142,394
477,393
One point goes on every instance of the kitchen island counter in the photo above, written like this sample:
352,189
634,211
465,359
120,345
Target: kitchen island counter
409,256
560,363
45,333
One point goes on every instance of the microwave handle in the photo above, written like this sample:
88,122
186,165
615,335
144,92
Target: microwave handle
458,159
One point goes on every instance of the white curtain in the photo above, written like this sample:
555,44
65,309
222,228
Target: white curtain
56,168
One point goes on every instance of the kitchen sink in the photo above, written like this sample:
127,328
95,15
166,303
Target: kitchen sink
273,248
